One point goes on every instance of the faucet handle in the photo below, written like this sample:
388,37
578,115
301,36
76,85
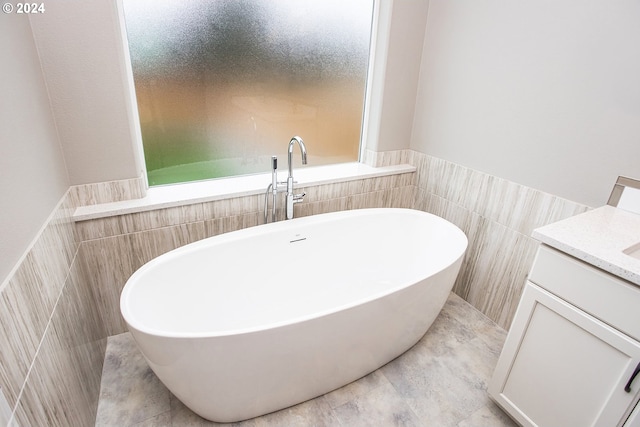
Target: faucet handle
297,198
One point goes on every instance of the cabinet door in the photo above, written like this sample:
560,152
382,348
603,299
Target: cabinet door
562,367
634,419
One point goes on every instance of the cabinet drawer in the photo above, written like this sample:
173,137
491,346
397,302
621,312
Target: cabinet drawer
610,299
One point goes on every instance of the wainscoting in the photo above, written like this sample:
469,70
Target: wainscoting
117,246
497,216
52,341
62,301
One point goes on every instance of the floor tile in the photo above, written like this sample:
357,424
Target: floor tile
488,416
130,392
355,389
441,381
382,406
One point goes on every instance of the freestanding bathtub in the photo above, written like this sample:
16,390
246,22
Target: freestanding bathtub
252,321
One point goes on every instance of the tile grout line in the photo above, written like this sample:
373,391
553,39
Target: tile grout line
12,420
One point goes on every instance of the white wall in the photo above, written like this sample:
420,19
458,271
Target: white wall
85,66
401,70
32,168
83,60
545,93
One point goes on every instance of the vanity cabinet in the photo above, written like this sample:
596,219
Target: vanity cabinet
572,350
634,418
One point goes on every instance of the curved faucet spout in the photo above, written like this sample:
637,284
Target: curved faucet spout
303,151
290,197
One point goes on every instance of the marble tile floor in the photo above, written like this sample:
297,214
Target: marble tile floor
441,381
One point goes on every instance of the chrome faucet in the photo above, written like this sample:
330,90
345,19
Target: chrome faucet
290,197
272,189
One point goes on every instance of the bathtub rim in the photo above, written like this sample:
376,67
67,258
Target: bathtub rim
249,232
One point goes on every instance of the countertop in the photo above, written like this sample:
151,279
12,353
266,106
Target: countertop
598,237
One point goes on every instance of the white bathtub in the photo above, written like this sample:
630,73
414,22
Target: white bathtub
253,321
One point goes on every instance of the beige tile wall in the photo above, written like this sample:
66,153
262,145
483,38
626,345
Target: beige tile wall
51,342
106,192
116,247
62,301
498,216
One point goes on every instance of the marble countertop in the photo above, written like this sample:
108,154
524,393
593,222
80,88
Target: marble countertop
598,237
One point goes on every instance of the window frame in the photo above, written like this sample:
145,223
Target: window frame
373,98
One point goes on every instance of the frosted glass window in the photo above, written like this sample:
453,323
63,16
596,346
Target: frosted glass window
222,85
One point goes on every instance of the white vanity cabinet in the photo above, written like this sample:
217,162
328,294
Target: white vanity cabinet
634,419
572,349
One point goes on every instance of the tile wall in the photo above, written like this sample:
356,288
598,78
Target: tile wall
62,301
51,342
498,216
115,247
106,192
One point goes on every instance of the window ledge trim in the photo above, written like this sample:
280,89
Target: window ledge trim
169,196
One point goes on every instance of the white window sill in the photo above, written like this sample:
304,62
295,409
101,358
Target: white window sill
205,191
